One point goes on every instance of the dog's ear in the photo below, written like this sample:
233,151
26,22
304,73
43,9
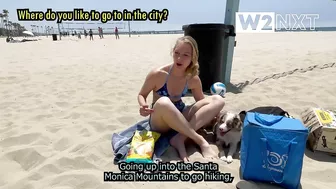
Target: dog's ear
237,122
242,112
214,127
236,118
242,115
221,115
215,122
216,119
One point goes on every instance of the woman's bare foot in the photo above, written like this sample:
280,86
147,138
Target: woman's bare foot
178,143
207,152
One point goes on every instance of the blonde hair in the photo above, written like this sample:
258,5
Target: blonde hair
193,68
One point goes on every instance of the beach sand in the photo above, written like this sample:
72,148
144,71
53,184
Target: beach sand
62,100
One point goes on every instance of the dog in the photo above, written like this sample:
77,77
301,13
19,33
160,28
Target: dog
227,130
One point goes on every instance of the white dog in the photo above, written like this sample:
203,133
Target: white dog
227,130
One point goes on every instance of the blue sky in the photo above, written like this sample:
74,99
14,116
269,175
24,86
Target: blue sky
180,11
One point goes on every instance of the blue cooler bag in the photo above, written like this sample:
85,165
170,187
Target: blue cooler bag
272,149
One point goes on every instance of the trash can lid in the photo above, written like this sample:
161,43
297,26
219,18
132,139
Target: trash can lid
208,26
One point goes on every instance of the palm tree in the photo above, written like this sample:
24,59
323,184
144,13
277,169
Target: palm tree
6,27
2,30
5,15
16,29
2,18
10,24
13,28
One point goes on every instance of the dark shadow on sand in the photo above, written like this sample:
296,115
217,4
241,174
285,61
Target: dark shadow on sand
320,156
245,184
232,88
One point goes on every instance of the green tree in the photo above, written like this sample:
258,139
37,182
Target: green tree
5,14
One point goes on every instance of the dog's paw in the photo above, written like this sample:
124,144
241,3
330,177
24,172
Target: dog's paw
229,159
223,158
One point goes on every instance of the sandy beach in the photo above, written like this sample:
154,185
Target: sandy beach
61,101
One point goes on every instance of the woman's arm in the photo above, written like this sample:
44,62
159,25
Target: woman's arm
147,87
196,88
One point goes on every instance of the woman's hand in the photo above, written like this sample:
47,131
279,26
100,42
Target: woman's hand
145,111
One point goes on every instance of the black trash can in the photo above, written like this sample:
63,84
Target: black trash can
212,55
54,37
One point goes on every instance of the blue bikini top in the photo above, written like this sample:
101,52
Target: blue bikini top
163,91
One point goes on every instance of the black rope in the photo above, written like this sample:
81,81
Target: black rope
257,80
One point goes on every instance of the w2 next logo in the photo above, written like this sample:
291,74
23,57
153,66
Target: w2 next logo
255,22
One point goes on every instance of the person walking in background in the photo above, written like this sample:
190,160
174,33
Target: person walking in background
116,32
101,32
85,33
91,34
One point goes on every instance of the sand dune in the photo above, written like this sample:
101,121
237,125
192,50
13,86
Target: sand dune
62,100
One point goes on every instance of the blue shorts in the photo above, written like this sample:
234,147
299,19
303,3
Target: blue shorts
180,105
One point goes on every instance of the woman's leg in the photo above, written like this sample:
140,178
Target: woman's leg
198,115
166,116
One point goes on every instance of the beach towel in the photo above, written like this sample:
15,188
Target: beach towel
121,142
